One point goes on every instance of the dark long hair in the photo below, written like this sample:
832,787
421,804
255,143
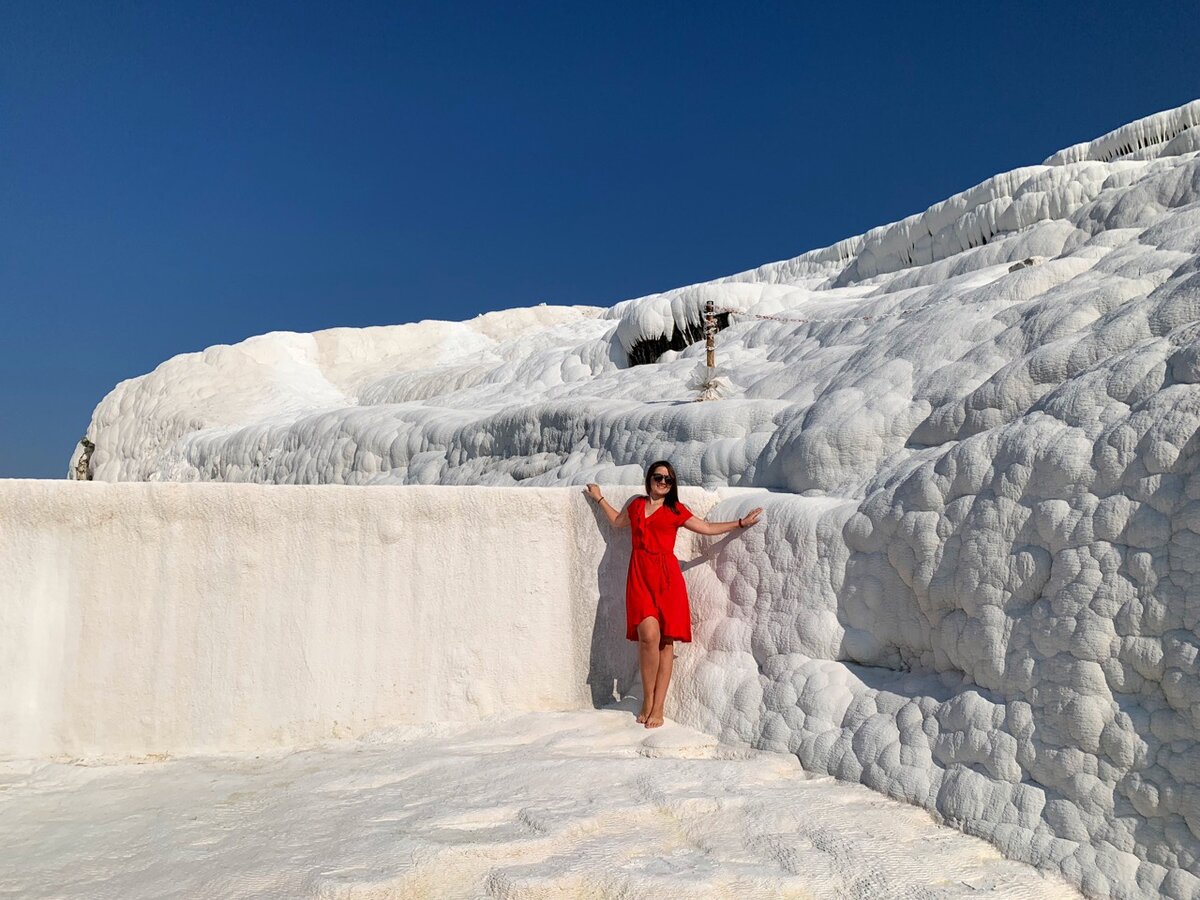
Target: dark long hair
672,495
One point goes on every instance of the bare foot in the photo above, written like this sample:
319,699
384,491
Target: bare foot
654,720
643,715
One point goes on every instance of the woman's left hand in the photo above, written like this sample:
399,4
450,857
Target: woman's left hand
751,517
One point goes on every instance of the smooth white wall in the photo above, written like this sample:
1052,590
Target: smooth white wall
142,618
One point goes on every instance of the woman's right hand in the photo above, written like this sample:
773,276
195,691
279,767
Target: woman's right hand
593,491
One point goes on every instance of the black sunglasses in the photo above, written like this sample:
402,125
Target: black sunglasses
662,479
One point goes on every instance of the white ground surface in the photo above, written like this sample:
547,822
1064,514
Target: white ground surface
544,805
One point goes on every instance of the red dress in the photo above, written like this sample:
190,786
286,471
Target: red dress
655,586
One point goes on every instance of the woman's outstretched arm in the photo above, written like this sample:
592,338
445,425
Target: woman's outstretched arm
616,519
703,526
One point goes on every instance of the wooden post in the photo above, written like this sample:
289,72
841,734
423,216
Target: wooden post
710,334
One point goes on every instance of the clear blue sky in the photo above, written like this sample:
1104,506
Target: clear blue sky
178,175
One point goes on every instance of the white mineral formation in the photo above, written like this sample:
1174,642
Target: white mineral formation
544,806
143,622
984,476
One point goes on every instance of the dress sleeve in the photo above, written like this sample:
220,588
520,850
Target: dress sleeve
682,513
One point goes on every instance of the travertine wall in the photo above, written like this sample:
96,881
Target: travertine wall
921,643
143,619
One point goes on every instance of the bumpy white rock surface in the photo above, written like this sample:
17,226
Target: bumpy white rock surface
975,587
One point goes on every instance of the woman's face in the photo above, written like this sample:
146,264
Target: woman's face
659,488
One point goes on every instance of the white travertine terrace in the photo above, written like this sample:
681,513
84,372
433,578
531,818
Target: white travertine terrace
975,587
533,806
388,692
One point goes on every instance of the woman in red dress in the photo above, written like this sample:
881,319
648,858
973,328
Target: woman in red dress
656,600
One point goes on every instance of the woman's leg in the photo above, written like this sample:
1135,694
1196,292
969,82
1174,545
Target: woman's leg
648,654
662,680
